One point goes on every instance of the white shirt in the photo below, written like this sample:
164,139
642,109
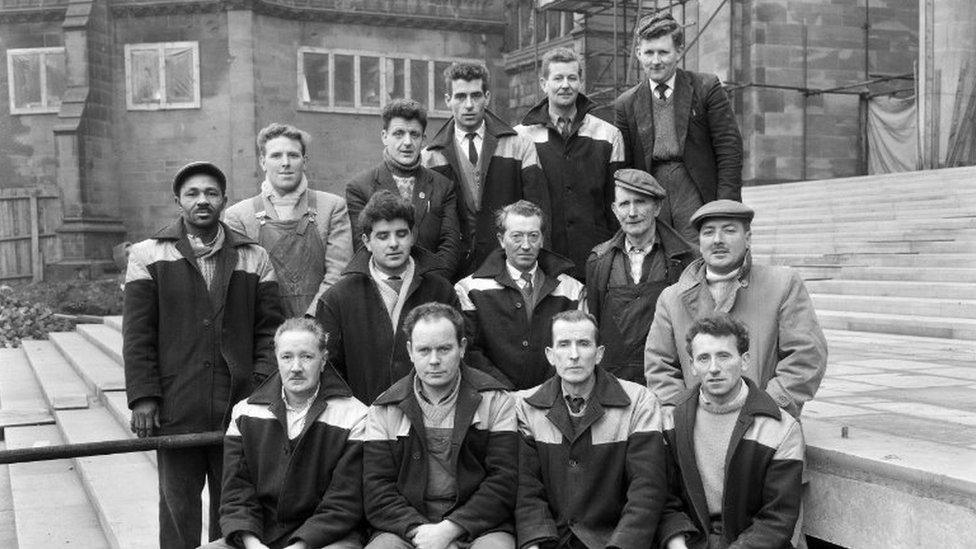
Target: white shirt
636,256
295,417
669,82
517,274
461,139
392,299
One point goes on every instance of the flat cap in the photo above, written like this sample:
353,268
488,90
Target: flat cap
639,181
196,168
721,208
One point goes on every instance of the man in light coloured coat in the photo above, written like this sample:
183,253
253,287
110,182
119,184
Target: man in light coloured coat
788,347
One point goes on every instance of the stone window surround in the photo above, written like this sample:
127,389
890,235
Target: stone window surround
47,105
161,48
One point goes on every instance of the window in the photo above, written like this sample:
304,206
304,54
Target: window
36,79
162,76
363,82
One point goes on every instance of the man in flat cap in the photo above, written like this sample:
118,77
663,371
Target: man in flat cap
201,309
626,274
679,126
787,346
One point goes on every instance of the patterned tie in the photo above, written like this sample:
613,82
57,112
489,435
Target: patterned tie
565,125
575,404
661,90
395,282
527,290
472,151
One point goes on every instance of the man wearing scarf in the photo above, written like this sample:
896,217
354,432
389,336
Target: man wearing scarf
433,195
306,232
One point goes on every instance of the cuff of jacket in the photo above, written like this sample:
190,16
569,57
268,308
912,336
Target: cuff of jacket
539,532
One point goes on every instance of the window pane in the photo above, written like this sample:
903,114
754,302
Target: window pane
27,80
369,84
54,65
420,83
395,78
315,88
179,75
145,76
440,90
554,18
345,96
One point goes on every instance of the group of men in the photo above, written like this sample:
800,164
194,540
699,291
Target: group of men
502,339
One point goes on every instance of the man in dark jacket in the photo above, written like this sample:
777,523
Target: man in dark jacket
440,466
433,196
293,454
201,308
738,458
363,312
579,153
679,126
592,463
487,160
509,300
626,274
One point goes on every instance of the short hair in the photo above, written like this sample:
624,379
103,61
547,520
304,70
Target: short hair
407,109
385,205
658,25
466,72
575,315
523,208
276,129
719,325
560,55
432,311
303,324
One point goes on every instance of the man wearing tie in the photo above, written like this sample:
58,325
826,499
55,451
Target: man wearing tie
679,126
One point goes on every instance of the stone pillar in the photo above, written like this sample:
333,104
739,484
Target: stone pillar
243,173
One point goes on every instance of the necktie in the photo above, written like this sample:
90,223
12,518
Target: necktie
472,151
527,290
395,282
564,126
575,404
661,90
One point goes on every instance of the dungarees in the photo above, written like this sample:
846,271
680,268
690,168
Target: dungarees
297,252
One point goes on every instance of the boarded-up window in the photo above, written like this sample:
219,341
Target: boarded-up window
162,76
36,79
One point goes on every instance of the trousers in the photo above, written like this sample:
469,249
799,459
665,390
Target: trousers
491,540
682,200
182,473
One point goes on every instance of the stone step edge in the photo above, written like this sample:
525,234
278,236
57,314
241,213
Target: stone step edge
96,334
73,393
83,365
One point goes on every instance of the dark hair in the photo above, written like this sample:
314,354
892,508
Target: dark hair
433,311
658,25
719,325
466,72
523,208
276,129
385,206
575,315
560,55
303,324
407,109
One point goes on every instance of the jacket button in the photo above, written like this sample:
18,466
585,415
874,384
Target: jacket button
573,464
525,343
206,322
518,304
416,456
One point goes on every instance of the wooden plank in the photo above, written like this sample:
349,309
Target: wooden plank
21,418
37,262
18,238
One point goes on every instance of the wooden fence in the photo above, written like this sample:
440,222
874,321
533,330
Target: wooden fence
28,219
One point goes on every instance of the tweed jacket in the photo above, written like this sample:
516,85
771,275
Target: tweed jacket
764,465
175,331
579,171
604,482
705,126
509,171
484,447
788,348
434,206
285,490
502,340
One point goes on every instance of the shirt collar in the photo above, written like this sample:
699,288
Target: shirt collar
669,82
380,276
304,407
517,274
628,247
461,135
268,190
555,119
418,387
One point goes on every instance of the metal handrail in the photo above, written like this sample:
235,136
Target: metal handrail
101,448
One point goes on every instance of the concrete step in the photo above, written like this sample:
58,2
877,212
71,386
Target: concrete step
8,523
944,308
826,246
905,274
948,180
106,338
911,325
19,389
62,387
862,214
114,322
99,371
861,259
122,488
896,346
894,288
909,227
904,201
50,505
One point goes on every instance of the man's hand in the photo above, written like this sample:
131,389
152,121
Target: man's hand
436,536
145,417
677,542
251,541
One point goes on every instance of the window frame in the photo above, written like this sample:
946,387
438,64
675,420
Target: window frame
45,107
435,106
160,49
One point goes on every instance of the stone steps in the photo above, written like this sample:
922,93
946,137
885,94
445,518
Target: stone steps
941,182
852,246
924,261
886,274
106,338
99,371
898,305
62,387
894,288
903,324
